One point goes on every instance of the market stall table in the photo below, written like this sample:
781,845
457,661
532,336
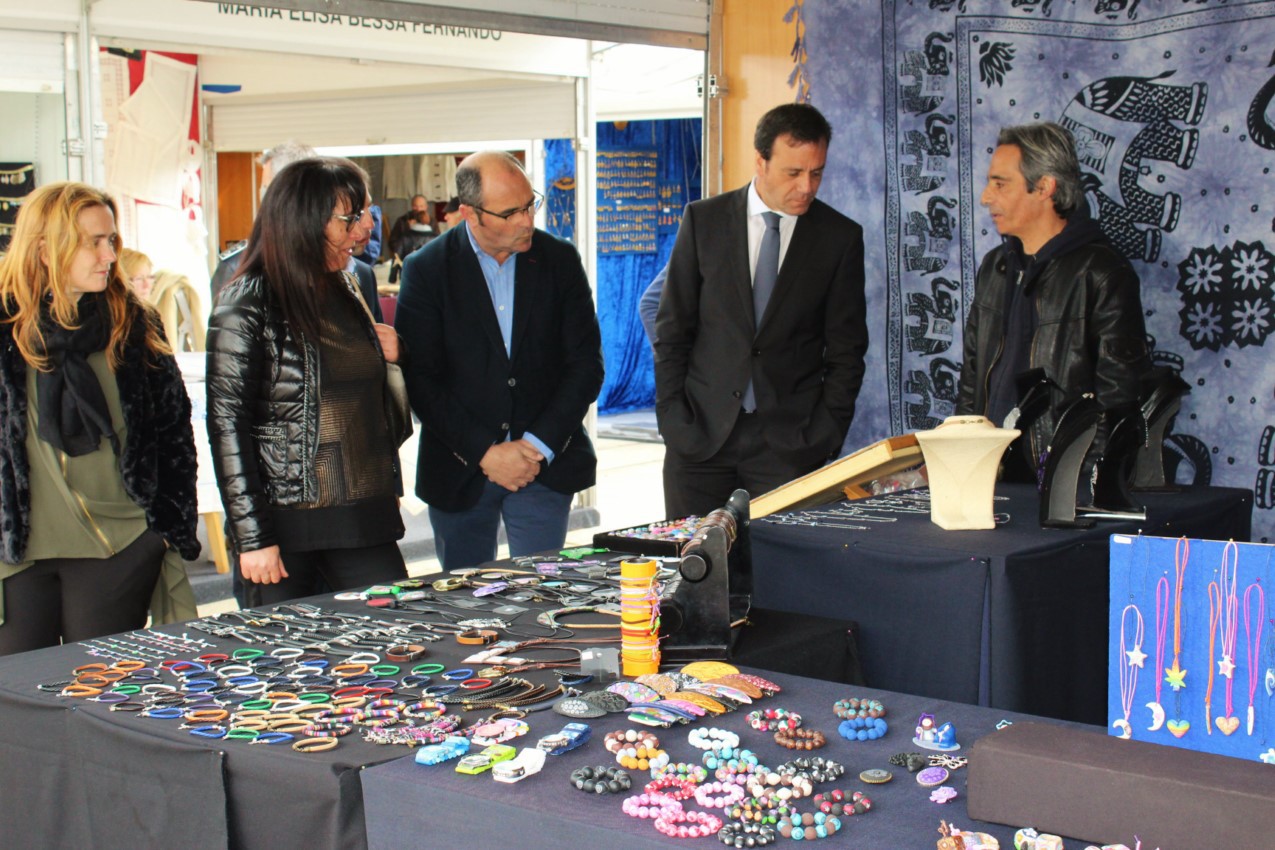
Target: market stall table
1014,617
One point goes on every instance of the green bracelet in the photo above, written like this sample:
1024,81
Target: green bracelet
243,734
315,697
247,653
127,689
428,669
257,704
385,669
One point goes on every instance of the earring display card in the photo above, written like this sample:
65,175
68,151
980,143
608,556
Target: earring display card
1191,658
17,180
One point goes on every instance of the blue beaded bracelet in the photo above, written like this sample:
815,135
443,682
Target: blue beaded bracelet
863,728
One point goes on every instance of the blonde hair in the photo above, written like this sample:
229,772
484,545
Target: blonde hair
46,237
130,261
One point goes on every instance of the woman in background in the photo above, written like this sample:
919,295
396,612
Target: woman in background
97,455
138,271
304,439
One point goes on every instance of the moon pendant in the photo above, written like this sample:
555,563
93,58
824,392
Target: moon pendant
1157,716
1123,726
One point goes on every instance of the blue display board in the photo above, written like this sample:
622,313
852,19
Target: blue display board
1192,659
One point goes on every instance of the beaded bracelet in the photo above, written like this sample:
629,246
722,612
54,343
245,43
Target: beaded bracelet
601,779
808,826
615,741
840,802
719,795
742,835
694,772
712,739
758,811
818,768
675,824
800,739
649,805
862,728
641,758
681,789
770,719
713,759
736,771
848,708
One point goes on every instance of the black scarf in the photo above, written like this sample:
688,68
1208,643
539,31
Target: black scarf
72,408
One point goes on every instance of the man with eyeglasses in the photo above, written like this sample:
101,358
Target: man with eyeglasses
505,359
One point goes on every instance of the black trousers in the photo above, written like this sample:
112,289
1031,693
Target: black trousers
341,569
62,600
744,461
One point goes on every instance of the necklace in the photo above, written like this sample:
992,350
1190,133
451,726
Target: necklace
1161,627
1175,676
1223,620
1131,662
1253,642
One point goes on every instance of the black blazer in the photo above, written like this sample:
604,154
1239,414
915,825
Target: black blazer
805,359
469,394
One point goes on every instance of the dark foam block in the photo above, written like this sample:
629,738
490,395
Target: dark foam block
1107,790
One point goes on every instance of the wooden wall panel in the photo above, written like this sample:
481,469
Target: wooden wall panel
756,44
235,179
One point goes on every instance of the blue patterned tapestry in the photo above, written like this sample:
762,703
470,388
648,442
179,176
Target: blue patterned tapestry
1171,104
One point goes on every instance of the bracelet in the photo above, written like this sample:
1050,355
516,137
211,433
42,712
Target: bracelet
601,779
404,652
649,805
840,802
847,708
757,811
459,674
735,834
818,769
616,741
766,720
719,795
314,745
682,789
641,758
789,787
808,826
694,772
477,637
862,728
687,824
800,739
712,739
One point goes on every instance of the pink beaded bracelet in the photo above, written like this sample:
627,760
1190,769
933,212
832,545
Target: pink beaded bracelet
650,805
688,824
728,793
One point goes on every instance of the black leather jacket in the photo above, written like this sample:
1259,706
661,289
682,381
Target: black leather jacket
1090,335
263,410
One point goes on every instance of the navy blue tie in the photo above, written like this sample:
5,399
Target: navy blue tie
763,285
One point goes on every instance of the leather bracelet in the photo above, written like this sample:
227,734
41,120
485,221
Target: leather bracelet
314,745
404,652
477,637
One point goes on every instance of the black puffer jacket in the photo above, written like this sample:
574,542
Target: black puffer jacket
1089,337
263,410
157,461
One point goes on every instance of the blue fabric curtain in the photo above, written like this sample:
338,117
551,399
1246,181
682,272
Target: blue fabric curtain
623,277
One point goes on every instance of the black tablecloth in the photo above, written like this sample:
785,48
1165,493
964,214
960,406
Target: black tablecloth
409,805
1014,617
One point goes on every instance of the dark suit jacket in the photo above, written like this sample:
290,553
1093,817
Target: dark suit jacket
805,359
468,394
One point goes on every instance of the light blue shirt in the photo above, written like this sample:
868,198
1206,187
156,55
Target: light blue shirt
500,285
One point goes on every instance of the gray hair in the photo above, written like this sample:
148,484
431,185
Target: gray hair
283,155
469,179
1048,150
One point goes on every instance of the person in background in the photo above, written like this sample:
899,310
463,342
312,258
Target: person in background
303,432
649,303
412,229
451,215
369,252
272,162
138,271
97,457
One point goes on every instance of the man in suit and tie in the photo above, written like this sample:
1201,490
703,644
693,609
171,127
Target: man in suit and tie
760,334
505,358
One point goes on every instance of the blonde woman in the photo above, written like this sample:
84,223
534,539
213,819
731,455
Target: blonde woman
138,271
97,456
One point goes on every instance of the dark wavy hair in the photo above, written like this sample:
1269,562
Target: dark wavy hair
802,121
288,245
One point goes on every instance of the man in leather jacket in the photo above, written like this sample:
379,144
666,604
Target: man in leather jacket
1056,295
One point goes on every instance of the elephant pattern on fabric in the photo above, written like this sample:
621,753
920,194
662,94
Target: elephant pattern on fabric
931,318
924,160
923,74
928,236
1121,124
935,393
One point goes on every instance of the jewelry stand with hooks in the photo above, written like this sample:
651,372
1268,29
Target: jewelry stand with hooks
1071,440
1113,474
1159,407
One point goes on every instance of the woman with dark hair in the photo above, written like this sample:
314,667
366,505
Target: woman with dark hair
304,432
97,455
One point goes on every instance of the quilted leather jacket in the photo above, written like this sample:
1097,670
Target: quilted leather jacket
1090,335
263,411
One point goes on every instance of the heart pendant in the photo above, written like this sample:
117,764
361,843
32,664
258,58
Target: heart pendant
1227,725
1179,727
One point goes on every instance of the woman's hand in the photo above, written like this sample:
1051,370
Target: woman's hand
263,566
389,341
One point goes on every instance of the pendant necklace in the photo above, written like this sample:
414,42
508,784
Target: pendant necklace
1253,642
1130,662
1228,622
1161,627
1175,676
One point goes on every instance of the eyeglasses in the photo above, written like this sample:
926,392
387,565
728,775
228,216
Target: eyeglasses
351,219
530,209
